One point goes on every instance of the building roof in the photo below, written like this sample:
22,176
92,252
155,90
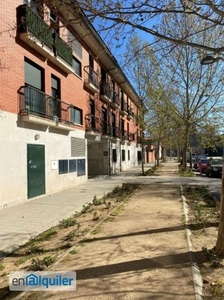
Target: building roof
79,22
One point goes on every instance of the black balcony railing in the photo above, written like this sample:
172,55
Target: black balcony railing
105,90
36,102
124,134
29,21
92,123
115,132
106,128
115,98
91,76
124,106
130,112
131,137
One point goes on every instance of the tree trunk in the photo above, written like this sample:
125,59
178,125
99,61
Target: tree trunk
219,248
143,158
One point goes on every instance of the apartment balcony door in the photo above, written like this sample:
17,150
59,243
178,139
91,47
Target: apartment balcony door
92,114
55,93
35,170
104,121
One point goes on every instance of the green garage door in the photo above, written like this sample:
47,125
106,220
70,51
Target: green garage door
35,170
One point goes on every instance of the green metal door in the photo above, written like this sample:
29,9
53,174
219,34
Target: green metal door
35,170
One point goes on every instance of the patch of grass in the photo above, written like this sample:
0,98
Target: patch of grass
217,290
35,249
109,219
151,171
96,230
187,173
46,235
71,235
68,222
2,267
22,260
86,208
64,247
73,251
41,264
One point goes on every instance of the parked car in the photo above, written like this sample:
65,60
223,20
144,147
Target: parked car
197,160
202,165
214,167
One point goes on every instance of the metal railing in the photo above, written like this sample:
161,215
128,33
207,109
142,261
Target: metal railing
29,21
91,76
115,98
92,123
35,102
105,89
124,106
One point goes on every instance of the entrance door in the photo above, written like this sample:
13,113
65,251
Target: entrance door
35,170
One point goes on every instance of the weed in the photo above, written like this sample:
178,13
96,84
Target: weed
2,267
41,264
68,222
65,246
97,201
71,235
187,173
212,257
46,235
86,209
73,251
34,249
22,260
217,290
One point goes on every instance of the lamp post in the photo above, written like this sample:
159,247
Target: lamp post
208,60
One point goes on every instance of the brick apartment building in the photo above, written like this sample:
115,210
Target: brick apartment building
66,108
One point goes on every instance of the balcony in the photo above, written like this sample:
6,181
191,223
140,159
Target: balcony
115,100
91,80
40,108
124,134
37,34
115,132
93,124
124,108
130,113
105,92
131,137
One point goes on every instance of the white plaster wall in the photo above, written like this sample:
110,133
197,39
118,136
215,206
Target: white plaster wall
13,158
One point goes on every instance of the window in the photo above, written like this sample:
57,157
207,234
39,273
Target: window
63,166
123,155
128,154
76,115
76,64
114,155
81,167
72,165
34,97
74,44
55,93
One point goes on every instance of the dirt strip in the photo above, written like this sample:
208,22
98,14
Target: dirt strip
139,253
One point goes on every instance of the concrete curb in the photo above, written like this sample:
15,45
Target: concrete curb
197,278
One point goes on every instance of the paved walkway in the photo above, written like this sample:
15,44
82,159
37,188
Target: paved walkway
21,222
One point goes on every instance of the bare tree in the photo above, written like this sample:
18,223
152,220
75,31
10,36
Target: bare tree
121,18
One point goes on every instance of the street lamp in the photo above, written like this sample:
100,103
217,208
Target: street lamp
210,59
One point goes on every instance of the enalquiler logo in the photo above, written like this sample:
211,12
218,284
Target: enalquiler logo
42,281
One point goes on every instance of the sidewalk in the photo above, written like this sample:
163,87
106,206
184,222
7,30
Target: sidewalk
21,222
